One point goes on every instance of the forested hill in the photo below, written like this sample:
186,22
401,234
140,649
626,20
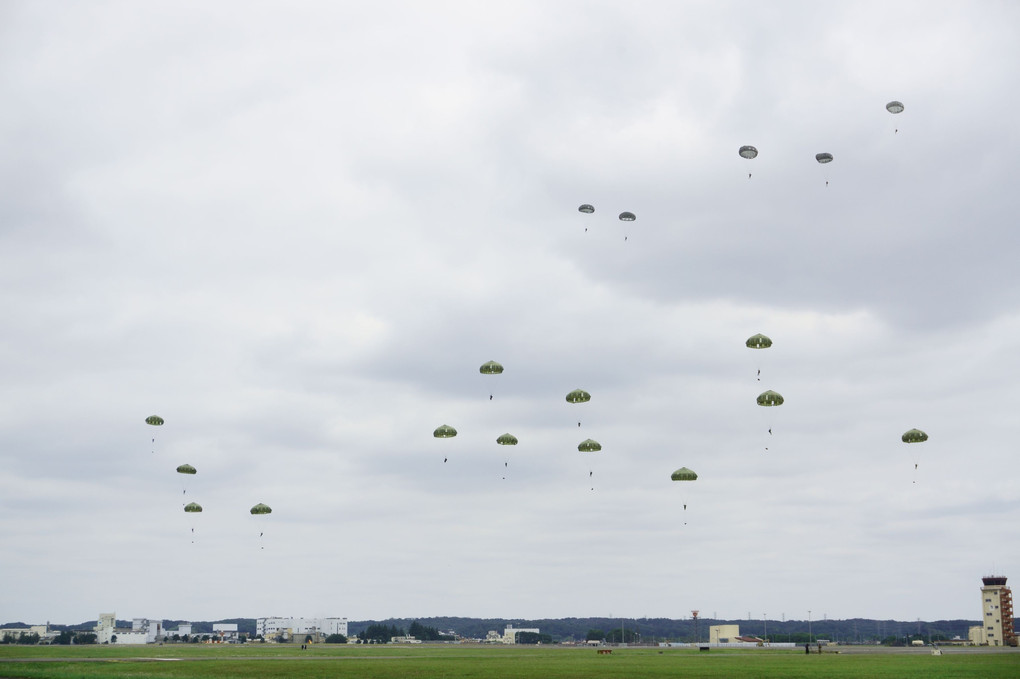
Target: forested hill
650,630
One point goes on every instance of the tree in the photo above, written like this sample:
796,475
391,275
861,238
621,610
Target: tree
595,635
336,639
618,635
533,638
30,638
64,638
113,638
380,634
85,638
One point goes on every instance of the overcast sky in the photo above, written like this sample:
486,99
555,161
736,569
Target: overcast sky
296,230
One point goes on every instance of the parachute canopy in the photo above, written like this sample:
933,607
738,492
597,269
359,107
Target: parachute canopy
627,217
578,396
758,341
589,446
507,440
894,107
914,436
444,431
586,209
490,368
748,152
186,469
154,420
770,398
823,158
192,507
261,509
683,474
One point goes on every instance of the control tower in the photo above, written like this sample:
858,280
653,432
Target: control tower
997,612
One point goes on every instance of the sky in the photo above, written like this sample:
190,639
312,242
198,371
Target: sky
296,230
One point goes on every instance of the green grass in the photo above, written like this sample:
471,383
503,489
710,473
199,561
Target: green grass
485,662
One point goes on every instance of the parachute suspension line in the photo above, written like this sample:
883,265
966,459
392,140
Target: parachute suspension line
491,368
506,440
823,160
748,153
258,511
914,436
154,421
769,399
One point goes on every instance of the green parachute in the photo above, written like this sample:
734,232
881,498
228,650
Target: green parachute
770,398
589,446
192,508
444,431
683,474
578,396
914,436
490,368
507,440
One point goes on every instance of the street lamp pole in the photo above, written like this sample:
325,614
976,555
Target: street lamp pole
809,627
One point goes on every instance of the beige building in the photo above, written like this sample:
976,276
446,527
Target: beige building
723,634
997,613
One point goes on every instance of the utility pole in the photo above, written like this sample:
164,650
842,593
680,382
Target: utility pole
697,637
810,638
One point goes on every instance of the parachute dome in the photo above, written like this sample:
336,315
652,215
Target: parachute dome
627,217
192,507
578,396
490,368
186,469
586,209
823,158
154,420
894,107
683,474
444,431
770,398
748,152
758,341
914,436
261,509
507,440
589,446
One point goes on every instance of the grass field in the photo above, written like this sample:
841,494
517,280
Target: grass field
487,662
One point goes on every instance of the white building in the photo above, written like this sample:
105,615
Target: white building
225,630
16,632
723,634
290,628
510,634
142,630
